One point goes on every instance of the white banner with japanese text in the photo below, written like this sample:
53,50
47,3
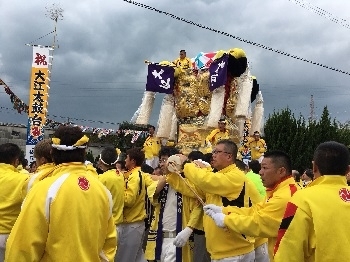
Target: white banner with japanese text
38,95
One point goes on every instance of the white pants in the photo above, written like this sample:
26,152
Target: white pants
3,239
249,257
153,162
130,242
262,254
168,250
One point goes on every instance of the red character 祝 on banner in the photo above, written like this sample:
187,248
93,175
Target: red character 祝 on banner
40,59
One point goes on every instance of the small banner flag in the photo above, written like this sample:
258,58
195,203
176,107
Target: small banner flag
218,72
160,79
203,60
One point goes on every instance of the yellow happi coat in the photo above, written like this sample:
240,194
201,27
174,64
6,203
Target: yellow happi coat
216,135
151,147
225,187
12,187
263,219
42,172
137,186
114,181
253,144
314,227
70,216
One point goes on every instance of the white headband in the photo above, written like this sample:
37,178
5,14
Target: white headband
66,148
56,143
106,163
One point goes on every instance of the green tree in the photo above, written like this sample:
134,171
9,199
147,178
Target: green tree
343,133
299,139
326,128
279,130
298,142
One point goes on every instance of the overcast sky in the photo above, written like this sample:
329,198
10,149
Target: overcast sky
99,72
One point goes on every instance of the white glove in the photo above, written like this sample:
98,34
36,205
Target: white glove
214,208
217,217
204,163
257,148
200,163
87,162
182,237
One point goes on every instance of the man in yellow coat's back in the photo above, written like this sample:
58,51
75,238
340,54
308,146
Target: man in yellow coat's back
68,216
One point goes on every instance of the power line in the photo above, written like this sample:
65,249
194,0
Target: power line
235,37
321,12
41,37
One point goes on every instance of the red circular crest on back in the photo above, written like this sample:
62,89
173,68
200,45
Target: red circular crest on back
344,194
83,183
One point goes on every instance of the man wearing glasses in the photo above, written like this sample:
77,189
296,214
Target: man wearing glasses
226,187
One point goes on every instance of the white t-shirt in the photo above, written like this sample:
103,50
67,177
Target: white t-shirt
170,211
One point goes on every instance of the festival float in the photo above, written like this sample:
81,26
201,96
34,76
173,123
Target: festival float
219,84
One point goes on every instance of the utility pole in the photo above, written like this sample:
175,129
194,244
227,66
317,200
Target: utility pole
55,13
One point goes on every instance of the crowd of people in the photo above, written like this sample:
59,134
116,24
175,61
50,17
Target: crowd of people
160,205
